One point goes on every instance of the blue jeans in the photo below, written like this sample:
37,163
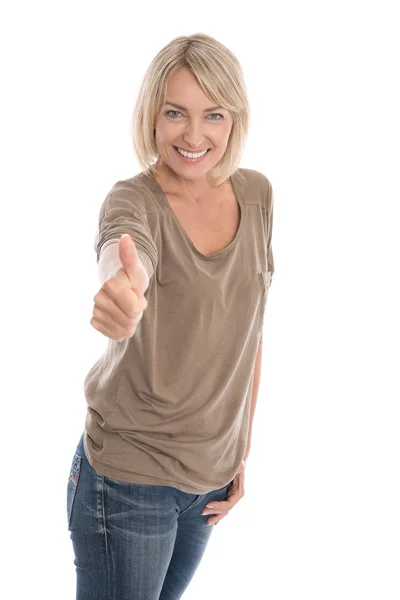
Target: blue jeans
131,540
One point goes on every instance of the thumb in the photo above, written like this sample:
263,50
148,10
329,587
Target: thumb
128,257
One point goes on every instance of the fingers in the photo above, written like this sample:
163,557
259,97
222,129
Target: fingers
117,312
216,518
218,511
129,301
218,508
222,507
120,327
100,326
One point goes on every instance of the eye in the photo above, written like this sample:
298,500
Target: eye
211,115
172,111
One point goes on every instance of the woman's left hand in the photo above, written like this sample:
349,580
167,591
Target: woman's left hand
234,493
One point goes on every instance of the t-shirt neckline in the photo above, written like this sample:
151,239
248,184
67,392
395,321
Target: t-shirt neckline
235,185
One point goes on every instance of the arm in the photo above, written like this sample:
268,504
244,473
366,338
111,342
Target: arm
254,395
124,210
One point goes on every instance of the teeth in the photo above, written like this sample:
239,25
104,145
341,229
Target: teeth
191,154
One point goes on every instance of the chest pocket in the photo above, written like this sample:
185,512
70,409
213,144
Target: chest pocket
265,281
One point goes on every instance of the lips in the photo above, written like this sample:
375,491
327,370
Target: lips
191,151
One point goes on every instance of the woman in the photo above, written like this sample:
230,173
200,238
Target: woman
170,403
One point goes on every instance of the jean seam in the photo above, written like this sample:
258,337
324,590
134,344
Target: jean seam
103,512
74,477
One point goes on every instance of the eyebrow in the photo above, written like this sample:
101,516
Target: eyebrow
183,108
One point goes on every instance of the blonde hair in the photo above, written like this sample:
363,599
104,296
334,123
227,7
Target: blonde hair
220,76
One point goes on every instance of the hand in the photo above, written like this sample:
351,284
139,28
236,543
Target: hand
234,493
119,304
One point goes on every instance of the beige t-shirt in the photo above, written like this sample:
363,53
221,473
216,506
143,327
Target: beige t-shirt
171,405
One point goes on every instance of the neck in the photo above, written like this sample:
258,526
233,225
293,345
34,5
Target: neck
198,189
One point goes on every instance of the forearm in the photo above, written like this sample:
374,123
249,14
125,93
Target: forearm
254,395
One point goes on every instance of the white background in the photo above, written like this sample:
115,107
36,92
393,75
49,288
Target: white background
320,519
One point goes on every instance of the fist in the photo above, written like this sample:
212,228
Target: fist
119,304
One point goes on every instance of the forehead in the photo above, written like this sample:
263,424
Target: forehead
183,91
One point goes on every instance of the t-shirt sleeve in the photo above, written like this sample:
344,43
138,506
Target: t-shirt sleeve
269,217
122,212
269,226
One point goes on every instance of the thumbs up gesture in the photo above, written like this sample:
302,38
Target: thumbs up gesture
119,304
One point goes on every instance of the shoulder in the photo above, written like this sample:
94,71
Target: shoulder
132,193
257,182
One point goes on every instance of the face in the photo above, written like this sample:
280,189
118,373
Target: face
193,128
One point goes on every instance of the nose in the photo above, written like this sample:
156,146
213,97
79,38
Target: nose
193,137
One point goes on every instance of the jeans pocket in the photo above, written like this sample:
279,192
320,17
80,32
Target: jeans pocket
73,484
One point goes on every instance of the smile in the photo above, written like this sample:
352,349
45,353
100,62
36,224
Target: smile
193,159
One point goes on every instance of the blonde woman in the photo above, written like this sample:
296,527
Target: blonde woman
185,262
